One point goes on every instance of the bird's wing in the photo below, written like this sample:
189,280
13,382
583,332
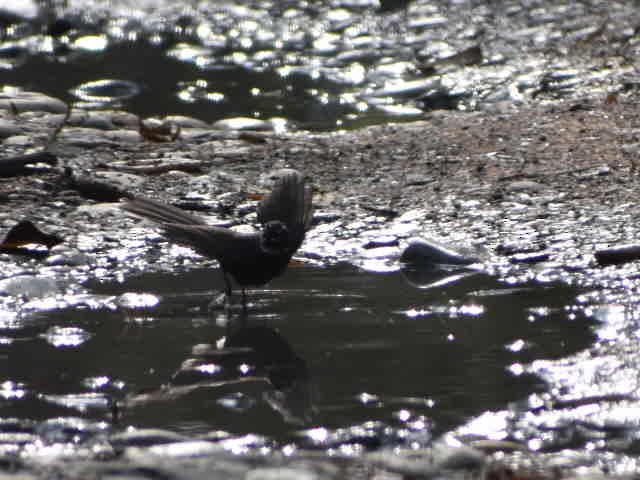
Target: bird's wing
290,203
160,212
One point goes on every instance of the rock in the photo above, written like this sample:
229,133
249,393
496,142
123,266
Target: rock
145,437
382,241
524,186
281,473
70,259
13,10
431,462
97,120
529,257
427,254
8,129
186,122
242,123
15,99
29,286
617,255
18,141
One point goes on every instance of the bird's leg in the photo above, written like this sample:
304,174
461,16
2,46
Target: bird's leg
244,301
228,294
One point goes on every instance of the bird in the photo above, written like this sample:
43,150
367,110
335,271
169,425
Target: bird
248,259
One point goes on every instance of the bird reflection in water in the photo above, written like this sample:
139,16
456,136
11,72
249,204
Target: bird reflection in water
249,357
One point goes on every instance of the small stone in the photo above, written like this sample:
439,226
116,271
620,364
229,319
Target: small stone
424,254
242,123
8,129
18,141
378,242
29,286
524,186
19,9
186,122
529,257
14,99
417,179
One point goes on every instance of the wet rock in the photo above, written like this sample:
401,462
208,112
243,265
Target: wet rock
520,186
132,300
65,336
18,141
427,264
469,56
145,437
442,99
186,122
529,257
281,473
410,89
8,129
97,120
242,123
68,429
429,463
70,259
520,247
16,10
379,242
617,255
428,254
14,99
23,164
28,286
105,186
90,138
417,180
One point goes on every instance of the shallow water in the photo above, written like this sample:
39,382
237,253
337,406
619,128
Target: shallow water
327,347
318,65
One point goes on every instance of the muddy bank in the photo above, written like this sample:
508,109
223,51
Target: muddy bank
558,179
533,192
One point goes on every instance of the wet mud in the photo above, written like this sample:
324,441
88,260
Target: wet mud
463,306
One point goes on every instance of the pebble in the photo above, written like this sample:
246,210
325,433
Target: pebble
618,254
242,123
524,186
145,437
70,259
18,141
30,102
427,254
8,129
29,286
186,122
97,120
280,473
19,9
430,462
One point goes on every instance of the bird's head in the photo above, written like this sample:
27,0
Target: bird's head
275,237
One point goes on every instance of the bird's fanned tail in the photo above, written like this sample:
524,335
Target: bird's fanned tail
290,203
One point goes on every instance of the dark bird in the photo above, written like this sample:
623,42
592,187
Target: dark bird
249,259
